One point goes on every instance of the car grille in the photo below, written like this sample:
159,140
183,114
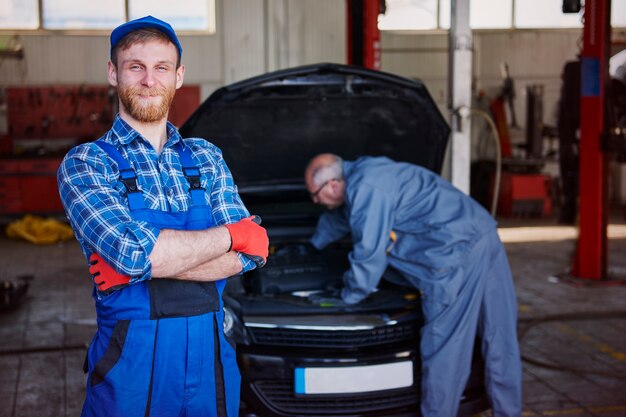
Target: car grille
335,339
280,396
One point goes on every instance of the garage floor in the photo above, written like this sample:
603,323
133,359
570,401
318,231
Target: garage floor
573,336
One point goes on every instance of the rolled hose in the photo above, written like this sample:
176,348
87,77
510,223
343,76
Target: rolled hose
578,316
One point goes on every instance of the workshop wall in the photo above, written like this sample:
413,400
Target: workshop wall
252,37
256,36
534,57
57,95
426,57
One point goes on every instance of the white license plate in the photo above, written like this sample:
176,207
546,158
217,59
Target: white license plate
351,379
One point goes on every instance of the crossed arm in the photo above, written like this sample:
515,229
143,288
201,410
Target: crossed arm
174,256
194,255
211,254
139,251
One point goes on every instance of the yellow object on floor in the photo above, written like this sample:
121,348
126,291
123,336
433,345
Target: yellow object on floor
39,230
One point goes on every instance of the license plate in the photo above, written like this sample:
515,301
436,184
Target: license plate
353,379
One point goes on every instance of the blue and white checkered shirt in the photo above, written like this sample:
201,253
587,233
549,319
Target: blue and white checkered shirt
96,205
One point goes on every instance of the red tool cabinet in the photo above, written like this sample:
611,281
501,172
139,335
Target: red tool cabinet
524,195
29,186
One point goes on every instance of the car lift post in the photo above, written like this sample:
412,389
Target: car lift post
590,261
363,34
460,56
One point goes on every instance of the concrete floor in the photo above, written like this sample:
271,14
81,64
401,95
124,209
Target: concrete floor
573,336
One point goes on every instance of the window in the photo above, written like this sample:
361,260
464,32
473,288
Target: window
409,15
19,14
618,13
186,15
489,14
78,14
545,14
484,14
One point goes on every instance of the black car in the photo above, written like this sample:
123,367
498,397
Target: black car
298,358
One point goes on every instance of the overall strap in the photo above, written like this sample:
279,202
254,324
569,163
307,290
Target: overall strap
127,175
192,173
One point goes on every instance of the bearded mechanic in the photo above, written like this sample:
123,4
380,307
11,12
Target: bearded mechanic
160,218
444,244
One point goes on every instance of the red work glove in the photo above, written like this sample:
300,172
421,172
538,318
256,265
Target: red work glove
105,277
250,239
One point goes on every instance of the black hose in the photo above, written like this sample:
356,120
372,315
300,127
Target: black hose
576,316
42,349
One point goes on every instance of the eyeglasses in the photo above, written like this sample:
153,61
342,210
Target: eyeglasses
314,194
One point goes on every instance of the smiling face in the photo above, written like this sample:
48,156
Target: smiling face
146,78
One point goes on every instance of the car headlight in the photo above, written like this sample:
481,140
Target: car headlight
234,329
229,322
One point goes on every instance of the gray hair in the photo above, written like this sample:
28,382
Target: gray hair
333,170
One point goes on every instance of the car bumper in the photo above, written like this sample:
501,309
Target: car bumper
268,386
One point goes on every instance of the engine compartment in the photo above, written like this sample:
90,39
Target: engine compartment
294,266
295,270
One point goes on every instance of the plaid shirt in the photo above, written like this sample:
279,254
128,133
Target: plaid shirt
96,205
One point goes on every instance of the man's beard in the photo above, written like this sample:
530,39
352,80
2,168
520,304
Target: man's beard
146,113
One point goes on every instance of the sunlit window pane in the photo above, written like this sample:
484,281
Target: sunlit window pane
19,14
444,14
491,14
544,14
182,14
484,14
618,13
80,14
409,15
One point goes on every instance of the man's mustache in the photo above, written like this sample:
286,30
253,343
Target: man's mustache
147,91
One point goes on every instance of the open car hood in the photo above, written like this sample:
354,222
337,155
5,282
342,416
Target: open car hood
268,127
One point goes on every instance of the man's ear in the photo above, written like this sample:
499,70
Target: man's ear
112,74
180,76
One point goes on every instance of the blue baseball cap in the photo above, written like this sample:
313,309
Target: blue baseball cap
142,23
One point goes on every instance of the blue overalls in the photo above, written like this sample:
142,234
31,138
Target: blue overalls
160,349
448,248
